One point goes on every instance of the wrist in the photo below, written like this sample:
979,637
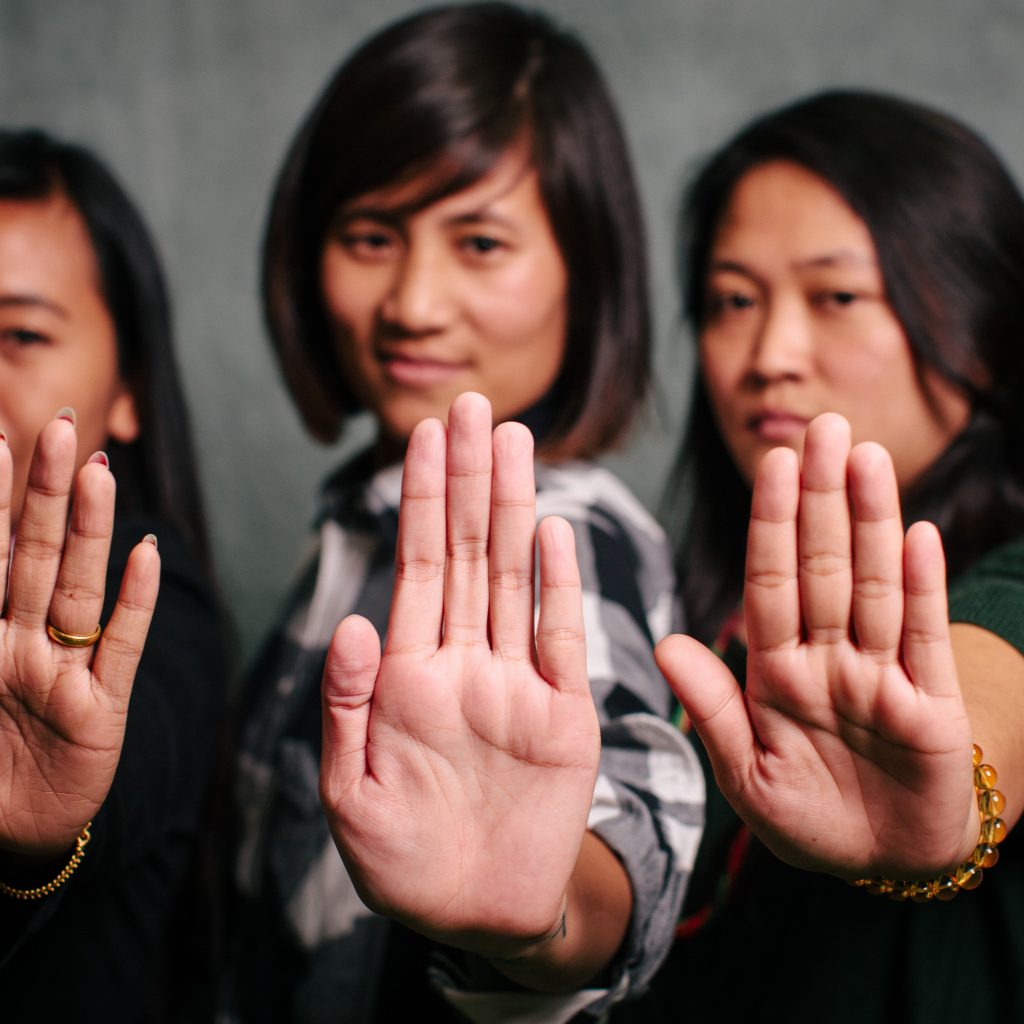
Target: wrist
530,950
42,852
988,829
33,866
970,837
38,858
582,941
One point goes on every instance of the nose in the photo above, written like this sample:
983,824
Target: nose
781,344
418,300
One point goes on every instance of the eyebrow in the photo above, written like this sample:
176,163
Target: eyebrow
481,216
19,300
383,215
842,257
394,218
394,215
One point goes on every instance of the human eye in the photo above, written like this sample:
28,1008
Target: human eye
22,337
481,246
837,298
368,241
725,303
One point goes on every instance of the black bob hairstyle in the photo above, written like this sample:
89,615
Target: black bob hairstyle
947,222
156,474
443,95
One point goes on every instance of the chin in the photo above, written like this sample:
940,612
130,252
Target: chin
399,424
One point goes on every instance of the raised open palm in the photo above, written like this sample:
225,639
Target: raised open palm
850,749
458,768
63,709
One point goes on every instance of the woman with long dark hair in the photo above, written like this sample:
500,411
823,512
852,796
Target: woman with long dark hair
102,804
863,255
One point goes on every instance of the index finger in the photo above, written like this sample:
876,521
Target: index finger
417,604
771,594
119,651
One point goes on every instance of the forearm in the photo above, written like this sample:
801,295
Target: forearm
598,905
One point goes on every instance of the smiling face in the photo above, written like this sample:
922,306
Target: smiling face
466,294
57,340
797,323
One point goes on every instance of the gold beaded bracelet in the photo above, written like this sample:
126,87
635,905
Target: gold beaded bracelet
968,875
66,872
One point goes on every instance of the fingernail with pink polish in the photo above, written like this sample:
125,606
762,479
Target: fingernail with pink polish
150,538
100,458
67,413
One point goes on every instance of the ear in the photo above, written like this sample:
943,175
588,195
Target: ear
123,419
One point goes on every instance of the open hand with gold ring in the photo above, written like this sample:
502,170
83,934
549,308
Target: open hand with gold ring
64,681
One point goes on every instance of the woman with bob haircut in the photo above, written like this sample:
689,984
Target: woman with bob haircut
858,254
436,101
103,802
458,214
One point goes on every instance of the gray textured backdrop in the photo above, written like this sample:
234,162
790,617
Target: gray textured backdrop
194,101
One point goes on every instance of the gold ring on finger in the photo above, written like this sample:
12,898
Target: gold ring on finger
73,639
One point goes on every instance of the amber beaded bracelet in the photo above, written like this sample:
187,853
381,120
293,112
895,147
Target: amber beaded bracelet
968,875
65,873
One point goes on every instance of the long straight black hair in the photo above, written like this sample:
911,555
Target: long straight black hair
442,95
156,474
947,222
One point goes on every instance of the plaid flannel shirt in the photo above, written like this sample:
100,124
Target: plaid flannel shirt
307,946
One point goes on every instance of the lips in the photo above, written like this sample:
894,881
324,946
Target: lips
418,371
777,426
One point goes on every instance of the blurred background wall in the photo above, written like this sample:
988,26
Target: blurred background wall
194,101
